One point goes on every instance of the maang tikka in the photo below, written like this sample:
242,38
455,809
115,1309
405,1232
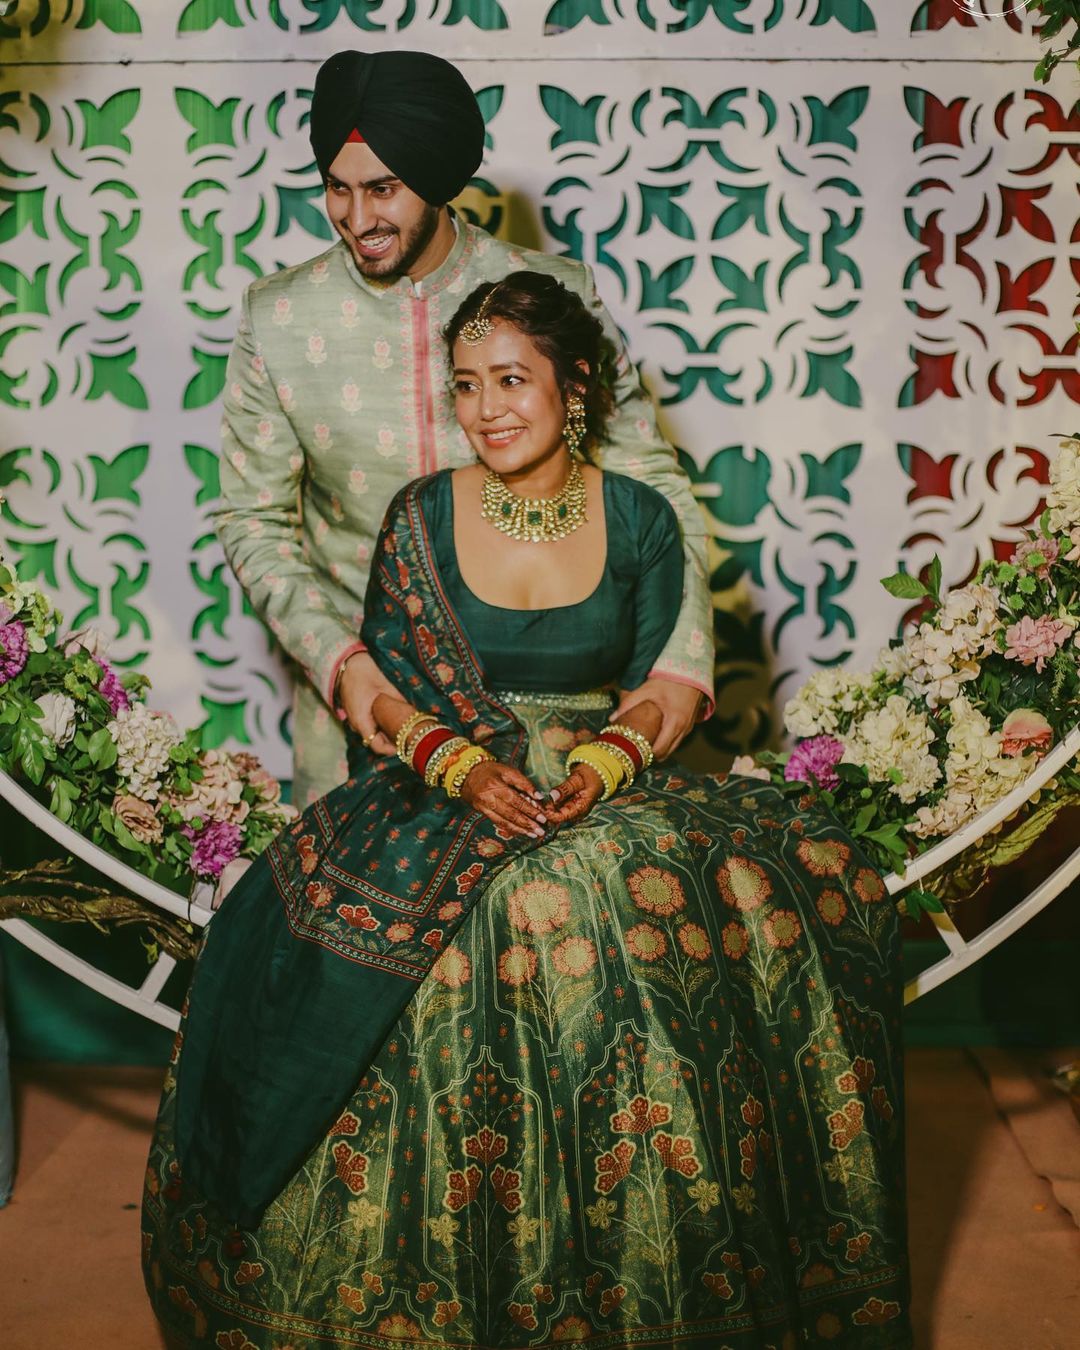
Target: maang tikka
479,327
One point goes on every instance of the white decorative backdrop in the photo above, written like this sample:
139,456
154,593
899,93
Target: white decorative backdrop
842,238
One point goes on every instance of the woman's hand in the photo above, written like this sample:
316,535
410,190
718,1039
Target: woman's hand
506,797
575,797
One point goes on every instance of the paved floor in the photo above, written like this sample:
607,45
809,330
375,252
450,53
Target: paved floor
994,1186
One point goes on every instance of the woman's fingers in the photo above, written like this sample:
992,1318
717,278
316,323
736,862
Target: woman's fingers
517,780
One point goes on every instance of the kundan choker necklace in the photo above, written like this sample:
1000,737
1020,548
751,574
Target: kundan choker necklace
540,520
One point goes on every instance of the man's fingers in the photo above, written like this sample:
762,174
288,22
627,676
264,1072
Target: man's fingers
381,744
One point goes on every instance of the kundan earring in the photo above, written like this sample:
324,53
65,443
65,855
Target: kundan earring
574,430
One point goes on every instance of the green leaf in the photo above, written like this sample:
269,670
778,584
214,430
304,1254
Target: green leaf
113,375
105,125
933,583
199,15
101,749
114,480
211,123
919,902
33,762
64,796
904,586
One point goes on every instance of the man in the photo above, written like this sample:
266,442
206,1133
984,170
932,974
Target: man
337,394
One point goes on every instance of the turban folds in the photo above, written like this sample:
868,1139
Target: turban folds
416,111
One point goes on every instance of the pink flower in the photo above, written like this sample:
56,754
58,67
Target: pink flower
110,688
815,761
1025,729
1048,548
14,649
213,847
1033,642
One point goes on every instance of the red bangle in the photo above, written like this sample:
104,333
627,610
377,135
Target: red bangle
622,743
427,745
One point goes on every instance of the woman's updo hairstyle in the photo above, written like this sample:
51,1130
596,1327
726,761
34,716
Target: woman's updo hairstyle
561,328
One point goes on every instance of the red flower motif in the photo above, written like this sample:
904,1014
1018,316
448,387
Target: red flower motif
373,1282
450,910
824,857
748,1154
233,1340
350,1167
403,574
433,939
571,1329
752,1111
414,607
611,1298
732,1260
444,672
641,1114
743,883
656,890
782,928
517,965
464,707
857,1247
694,941
452,968
351,1297
875,1311
180,1296
425,1291
846,1124
309,859
524,1314
574,956
859,1077
539,907
249,1272
485,1146
446,1311
543,1293
665,842
467,880
646,942
879,1100
506,1183
461,1188
869,886
696,837
717,1283
319,894
400,932
677,1152
358,916
836,1232
735,940
612,1167
832,907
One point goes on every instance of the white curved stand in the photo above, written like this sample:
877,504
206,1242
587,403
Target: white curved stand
146,999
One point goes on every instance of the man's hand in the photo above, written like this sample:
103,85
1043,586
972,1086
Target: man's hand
359,685
678,705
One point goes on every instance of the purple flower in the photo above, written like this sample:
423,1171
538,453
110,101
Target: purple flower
14,649
213,847
110,688
815,761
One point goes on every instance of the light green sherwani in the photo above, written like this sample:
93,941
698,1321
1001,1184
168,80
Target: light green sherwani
337,394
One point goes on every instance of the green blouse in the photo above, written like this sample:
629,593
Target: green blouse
614,636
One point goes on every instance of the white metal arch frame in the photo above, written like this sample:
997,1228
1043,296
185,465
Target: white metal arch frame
146,998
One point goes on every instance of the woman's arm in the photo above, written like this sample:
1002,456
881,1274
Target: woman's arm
498,791
579,792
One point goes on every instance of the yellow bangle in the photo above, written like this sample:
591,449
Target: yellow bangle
410,724
434,767
609,769
470,758
629,768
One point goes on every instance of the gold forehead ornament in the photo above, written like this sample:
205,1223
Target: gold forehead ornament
479,327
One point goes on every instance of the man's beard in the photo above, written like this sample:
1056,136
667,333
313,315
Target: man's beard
412,244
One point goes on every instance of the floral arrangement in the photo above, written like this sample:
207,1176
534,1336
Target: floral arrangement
82,737
959,710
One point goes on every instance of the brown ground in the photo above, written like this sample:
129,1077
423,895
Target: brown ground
994,1186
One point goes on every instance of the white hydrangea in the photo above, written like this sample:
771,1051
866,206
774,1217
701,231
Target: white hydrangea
1063,494
977,774
816,709
893,663
143,740
892,743
944,654
57,717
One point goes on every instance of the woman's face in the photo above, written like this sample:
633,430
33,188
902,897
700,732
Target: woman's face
508,401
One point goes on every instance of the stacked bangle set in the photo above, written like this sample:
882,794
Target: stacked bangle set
618,755
443,758
437,754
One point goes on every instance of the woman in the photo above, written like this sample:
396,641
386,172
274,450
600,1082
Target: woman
562,1047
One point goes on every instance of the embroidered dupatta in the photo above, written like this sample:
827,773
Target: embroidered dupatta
320,947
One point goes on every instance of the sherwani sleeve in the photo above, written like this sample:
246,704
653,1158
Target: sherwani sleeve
637,449
260,522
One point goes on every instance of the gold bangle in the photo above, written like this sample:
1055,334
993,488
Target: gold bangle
476,754
411,722
433,768
586,754
641,742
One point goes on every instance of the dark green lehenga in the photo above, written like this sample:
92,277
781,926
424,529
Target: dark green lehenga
650,1093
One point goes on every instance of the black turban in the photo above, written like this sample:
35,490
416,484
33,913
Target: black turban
416,111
